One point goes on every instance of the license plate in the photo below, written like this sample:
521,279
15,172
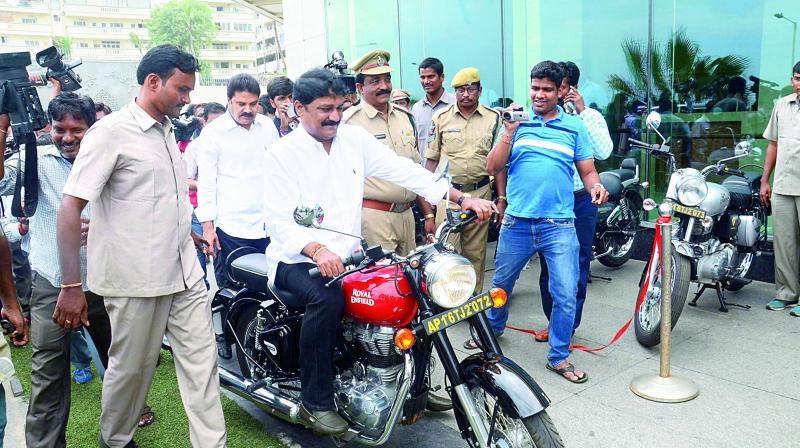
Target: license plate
694,212
447,319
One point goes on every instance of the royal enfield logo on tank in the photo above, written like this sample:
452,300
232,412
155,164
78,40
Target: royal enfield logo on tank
362,297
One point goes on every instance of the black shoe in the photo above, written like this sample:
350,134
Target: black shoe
324,422
103,443
437,403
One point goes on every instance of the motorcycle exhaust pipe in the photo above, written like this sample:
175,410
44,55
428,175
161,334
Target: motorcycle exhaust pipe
279,406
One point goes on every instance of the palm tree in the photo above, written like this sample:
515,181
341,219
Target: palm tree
64,45
679,71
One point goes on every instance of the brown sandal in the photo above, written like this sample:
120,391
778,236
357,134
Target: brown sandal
569,369
147,417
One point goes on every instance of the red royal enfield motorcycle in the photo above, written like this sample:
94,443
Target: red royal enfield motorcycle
396,310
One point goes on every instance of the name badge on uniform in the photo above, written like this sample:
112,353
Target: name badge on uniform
457,130
380,136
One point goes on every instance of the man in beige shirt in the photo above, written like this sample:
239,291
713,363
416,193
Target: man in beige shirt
387,218
783,155
461,136
141,255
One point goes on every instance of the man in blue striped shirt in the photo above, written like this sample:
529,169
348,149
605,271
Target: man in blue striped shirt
542,154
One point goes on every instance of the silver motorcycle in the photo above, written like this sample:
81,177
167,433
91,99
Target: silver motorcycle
718,229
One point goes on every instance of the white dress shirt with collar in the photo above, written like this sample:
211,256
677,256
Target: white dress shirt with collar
300,171
231,175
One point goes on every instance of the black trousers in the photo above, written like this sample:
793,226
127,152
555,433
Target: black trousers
228,244
318,332
48,408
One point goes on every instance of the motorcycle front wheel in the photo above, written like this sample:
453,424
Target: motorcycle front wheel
647,321
536,431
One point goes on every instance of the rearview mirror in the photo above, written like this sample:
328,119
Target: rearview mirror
307,216
654,120
743,149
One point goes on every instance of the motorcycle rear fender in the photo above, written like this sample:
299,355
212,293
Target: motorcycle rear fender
518,393
243,300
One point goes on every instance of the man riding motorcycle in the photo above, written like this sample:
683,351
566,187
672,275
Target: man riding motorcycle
323,163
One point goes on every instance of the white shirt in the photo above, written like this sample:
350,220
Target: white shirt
231,175
299,171
190,158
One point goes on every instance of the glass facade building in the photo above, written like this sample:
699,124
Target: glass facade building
713,69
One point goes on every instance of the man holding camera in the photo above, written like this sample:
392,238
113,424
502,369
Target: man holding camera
70,116
542,153
387,216
230,156
141,256
461,136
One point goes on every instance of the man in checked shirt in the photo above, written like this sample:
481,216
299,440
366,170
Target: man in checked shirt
585,211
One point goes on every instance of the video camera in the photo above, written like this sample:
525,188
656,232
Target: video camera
338,66
20,101
184,126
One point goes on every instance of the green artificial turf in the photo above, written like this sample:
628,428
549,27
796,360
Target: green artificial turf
170,430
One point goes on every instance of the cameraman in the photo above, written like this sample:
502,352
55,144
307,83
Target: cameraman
70,116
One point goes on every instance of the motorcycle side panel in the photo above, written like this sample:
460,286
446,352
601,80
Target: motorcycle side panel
380,297
518,393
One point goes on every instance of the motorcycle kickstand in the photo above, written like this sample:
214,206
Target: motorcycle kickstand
700,292
723,305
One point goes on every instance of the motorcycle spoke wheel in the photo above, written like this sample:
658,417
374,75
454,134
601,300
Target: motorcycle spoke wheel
536,431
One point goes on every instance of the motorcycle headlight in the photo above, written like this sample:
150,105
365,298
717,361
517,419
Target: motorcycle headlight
450,280
692,191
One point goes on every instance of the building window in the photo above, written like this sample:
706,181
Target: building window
2,39
94,24
140,25
133,25
217,46
220,8
79,22
224,65
29,20
244,27
245,65
238,65
110,44
116,25
83,45
56,18
31,43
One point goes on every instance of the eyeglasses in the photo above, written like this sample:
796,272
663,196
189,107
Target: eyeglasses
467,89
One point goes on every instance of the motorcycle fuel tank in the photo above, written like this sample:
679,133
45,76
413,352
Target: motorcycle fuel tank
716,201
380,296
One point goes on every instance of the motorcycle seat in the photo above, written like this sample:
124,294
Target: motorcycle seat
742,188
612,184
622,174
251,271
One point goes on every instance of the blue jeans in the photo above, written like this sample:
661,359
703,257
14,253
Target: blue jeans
556,242
198,229
585,220
79,355
3,416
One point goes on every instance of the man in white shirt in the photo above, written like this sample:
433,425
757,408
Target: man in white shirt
230,175
324,163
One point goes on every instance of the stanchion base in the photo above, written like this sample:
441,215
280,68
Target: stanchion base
672,389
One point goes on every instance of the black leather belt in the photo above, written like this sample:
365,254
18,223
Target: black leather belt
579,193
472,187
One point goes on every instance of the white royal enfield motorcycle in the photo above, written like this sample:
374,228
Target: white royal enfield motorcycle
718,229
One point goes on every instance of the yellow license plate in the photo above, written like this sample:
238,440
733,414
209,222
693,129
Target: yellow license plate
689,211
447,319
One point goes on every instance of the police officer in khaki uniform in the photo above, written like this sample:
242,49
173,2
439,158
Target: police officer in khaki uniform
387,218
402,98
462,135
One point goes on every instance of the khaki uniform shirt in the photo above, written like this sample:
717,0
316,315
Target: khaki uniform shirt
397,133
784,128
464,142
130,169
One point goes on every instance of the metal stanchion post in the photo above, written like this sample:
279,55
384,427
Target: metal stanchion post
665,387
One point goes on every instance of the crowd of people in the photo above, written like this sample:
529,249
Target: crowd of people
128,216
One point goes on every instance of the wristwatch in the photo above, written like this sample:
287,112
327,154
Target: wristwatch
461,199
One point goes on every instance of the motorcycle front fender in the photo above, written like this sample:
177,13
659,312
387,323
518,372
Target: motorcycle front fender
519,394
684,248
